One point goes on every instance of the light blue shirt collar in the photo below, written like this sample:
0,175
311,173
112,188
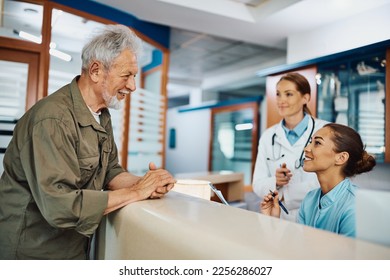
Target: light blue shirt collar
294,134
332,196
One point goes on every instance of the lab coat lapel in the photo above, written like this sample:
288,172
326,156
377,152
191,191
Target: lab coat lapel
281,138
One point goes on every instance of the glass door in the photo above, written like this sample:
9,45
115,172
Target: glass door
234,137
18,91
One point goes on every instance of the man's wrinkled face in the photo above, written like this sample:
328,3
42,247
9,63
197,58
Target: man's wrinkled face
120,79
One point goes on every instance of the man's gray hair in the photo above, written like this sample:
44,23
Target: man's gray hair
108,43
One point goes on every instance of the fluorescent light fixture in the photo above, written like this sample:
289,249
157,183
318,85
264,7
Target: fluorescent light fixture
243,126
30,37
60,55
52,51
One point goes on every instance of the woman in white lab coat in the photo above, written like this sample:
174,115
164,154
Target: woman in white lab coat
280,153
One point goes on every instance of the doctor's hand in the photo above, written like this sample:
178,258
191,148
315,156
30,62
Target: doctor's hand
283,175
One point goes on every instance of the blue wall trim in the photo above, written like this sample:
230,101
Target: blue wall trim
329,58
156,32
257,99
157,57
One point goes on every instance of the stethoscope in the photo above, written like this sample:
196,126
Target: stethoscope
298,162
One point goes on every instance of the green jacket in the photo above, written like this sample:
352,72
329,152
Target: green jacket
56,167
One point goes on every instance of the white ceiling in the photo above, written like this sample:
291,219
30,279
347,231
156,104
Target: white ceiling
210,37
219,45
267,23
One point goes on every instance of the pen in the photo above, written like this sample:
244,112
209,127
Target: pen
280,203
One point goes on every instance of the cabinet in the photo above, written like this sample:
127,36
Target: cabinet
146,140
351,91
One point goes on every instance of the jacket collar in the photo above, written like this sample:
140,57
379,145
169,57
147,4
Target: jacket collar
83,115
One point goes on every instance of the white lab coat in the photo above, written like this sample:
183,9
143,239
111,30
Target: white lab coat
264,178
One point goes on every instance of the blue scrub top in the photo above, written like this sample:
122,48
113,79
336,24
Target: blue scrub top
335,211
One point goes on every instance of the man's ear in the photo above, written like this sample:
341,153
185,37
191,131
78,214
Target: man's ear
342,158
94,71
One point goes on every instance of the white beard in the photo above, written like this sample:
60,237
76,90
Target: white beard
115,103
112,102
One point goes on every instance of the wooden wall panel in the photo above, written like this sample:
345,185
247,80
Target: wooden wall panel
272,114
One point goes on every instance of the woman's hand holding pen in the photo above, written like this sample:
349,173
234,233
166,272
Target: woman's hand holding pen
270,205
283,175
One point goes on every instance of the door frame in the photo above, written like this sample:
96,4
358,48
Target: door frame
32,59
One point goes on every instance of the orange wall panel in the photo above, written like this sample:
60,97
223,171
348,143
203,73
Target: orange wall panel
272,114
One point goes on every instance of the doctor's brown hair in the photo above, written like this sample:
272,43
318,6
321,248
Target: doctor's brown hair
346,139
301,83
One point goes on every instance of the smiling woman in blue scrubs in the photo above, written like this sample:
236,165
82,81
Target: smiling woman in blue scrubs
336,152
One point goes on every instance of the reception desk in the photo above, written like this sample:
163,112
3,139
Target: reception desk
182,227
